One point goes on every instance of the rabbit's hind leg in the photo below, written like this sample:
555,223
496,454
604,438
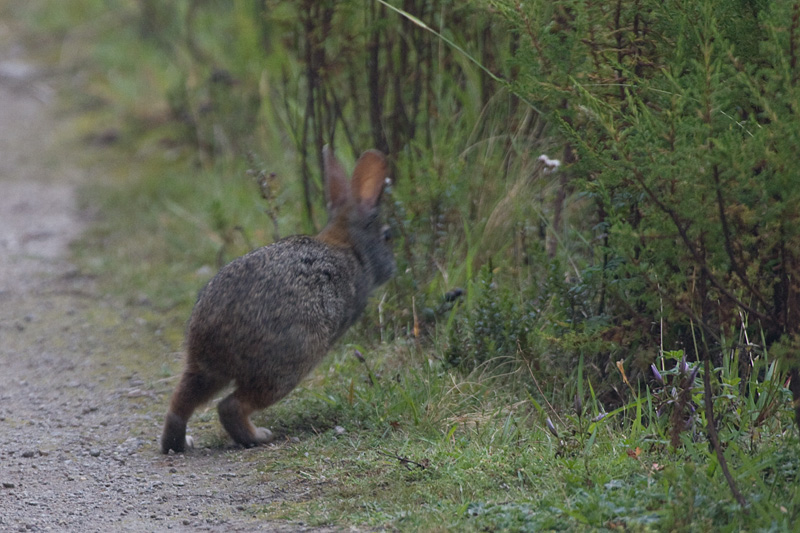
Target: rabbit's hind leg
194,389
234,413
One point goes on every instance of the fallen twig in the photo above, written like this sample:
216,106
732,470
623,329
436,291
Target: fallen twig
406,462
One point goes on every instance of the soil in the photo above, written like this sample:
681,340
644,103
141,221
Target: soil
78,422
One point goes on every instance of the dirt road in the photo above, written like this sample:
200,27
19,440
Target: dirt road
78,429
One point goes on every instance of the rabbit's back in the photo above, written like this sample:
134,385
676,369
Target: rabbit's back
276,311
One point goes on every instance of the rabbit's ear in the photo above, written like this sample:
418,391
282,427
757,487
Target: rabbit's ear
337,189
369,178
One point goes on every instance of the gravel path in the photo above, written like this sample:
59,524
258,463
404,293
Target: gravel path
78,437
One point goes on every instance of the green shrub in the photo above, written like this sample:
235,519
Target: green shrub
683,130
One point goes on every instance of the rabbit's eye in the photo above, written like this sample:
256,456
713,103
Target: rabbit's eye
386,231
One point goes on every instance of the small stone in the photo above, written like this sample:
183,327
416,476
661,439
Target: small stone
94,452
339,430
28,454
204,271
7,485
17,70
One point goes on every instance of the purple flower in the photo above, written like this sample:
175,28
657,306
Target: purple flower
657,374
551,427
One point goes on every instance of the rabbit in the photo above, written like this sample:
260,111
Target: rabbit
269,317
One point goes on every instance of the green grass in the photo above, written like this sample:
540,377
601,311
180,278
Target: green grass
428,449
425,445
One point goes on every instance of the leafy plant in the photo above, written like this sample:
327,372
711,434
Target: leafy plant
682,146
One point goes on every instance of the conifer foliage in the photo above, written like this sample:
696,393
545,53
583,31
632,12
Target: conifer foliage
683,120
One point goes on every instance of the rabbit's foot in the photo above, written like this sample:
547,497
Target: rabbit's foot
259,437
174,436
263,435
234,416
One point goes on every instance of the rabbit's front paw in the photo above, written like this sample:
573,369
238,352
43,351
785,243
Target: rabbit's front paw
189,442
